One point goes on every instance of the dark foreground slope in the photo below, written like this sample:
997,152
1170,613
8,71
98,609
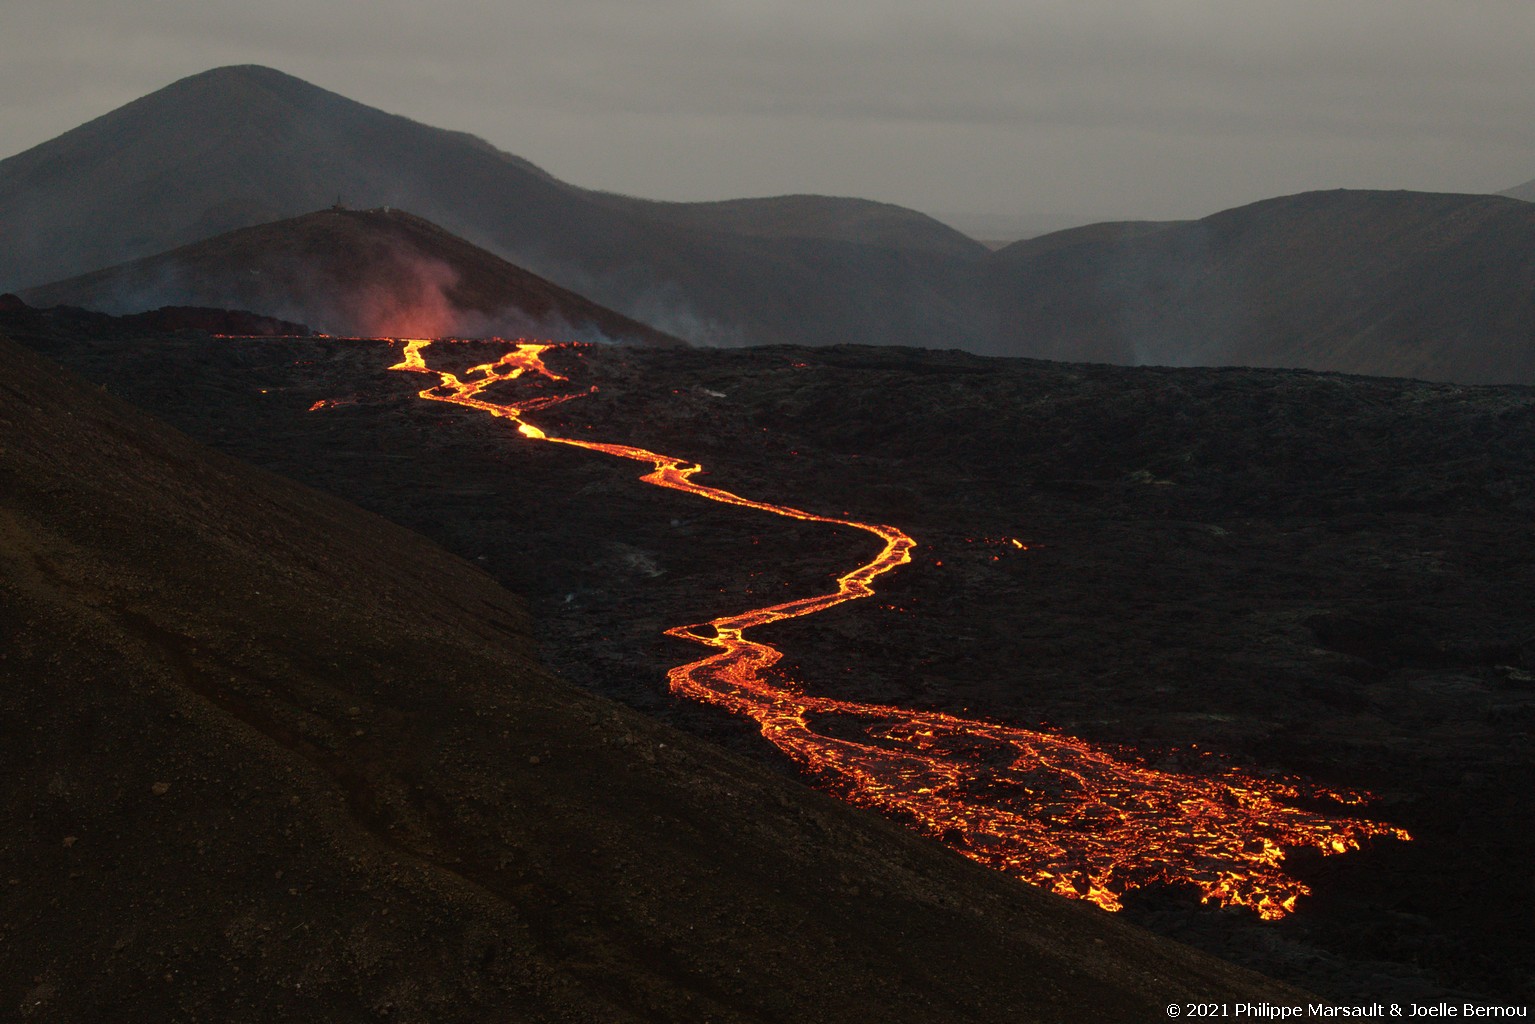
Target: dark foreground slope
352,272
269,757
1406,284
238,146
1307,573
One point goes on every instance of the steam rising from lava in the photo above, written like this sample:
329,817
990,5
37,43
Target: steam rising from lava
421,308
1049,809
367,286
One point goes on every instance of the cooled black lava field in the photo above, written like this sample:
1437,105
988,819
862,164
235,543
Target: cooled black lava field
1298,573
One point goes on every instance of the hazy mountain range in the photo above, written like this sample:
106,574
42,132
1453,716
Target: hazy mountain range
242,146
1391,283
1407,284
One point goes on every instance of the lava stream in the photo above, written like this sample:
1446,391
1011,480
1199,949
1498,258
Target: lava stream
1058,812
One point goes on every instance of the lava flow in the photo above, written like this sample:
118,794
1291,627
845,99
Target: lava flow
1049,809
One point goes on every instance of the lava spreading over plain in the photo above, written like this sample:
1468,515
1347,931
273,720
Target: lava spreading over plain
1050,809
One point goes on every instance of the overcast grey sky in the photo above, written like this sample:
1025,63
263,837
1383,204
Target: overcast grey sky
1077,108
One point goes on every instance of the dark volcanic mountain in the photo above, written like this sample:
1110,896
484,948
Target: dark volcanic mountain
240,146
364,273
267,756
1405,284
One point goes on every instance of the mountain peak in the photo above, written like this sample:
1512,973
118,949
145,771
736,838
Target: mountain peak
244,72
239,82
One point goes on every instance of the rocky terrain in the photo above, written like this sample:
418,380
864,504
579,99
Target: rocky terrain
1296,572
269,757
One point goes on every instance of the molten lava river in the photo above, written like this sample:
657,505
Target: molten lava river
1049,809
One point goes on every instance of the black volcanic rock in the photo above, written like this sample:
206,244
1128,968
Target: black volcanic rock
266,757
217,321
1305,573
1405,284
353,272
239,146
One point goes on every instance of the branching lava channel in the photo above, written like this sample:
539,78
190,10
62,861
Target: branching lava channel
1060,813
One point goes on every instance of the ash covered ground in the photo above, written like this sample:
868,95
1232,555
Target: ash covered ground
1304,573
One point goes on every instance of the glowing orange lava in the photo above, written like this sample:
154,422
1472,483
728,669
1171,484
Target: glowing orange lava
1049,809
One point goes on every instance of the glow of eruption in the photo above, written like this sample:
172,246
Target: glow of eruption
1049,809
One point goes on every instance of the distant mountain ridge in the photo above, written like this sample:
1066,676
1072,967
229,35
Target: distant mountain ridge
1389,283
1525,191
354,272
239,146
1406,284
